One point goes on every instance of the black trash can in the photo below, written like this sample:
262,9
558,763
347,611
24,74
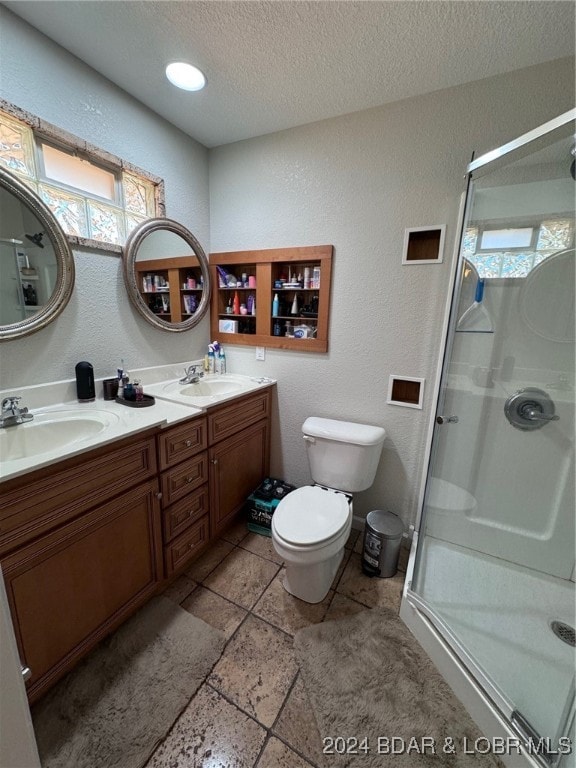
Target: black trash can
382,541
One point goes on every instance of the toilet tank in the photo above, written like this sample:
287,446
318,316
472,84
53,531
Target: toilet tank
343,455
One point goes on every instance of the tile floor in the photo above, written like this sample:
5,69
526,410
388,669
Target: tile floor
252,711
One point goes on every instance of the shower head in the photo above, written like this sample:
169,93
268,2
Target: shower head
37,239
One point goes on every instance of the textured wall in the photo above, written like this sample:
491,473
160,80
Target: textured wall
99,324
357,182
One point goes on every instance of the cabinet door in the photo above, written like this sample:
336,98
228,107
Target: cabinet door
70,588
237,466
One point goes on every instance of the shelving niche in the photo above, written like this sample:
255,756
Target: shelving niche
277,271
168,283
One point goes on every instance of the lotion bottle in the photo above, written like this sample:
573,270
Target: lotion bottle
275,306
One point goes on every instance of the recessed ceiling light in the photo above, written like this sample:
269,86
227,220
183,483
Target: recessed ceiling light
185,76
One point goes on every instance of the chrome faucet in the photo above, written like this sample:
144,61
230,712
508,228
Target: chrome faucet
11,414
192,375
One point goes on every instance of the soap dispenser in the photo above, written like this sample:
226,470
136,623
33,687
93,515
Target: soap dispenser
85,388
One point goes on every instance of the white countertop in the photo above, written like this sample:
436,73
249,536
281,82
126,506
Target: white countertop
56,401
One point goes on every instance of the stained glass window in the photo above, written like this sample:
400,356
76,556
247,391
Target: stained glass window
73,188
16,147
138,195
70,210
554,235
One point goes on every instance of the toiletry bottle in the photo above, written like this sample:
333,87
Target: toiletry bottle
85,389
306,277
211,359
222,360
275,306
294,310
236,303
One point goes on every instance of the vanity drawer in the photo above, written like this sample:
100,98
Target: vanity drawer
242,413
179,443
178,517
39,501
179,481
181,550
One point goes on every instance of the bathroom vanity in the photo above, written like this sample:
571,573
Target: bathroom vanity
86,540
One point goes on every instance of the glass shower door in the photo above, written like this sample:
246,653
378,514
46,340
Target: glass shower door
496,551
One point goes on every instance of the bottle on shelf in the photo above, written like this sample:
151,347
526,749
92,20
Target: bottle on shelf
236,303
275,306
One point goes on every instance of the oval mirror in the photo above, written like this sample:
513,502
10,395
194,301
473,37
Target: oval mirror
166,275
36,263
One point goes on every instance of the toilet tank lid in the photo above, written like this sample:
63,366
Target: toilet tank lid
343,431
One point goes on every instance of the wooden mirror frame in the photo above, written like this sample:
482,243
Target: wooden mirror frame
130,253
64,260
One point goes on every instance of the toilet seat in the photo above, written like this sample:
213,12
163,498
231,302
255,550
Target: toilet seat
311,515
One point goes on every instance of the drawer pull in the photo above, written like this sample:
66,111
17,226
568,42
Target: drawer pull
188,443
189,479
158,494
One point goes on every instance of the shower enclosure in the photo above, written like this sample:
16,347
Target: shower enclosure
490,588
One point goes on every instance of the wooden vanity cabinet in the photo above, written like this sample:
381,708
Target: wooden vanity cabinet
239,454
183,458
80,548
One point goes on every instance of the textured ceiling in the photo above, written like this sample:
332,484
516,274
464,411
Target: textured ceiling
272,64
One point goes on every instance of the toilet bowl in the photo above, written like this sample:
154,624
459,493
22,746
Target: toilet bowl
312,546
311,525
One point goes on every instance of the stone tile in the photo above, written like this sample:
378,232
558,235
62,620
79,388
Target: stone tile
242,577
352,539
212,557
278,755
179,589
236,532
297,726
214,610
256,669
403,558
287,612
210,732
341,567
359,545
261,545
342,606
373,592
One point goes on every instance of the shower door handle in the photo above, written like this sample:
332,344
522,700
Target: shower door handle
446,419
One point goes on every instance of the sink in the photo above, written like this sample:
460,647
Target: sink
210,390
207,390
50,431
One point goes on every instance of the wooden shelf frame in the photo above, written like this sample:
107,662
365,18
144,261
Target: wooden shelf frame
266,265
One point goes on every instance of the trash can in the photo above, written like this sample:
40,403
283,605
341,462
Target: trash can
382,541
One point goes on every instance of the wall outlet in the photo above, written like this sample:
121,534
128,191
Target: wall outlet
260,353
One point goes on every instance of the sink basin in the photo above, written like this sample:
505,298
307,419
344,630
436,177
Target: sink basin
210,390
207,390
50,431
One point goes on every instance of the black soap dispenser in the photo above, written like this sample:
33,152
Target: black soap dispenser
85,382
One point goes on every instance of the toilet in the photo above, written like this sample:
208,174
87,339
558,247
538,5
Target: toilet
311,525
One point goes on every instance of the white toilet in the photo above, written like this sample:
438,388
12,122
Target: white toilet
311,525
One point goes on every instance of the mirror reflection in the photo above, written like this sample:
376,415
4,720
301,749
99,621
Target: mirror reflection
36,264
28,267
166,274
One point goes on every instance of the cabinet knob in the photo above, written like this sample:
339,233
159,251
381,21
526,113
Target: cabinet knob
158,494
188,443
189,479
214,461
